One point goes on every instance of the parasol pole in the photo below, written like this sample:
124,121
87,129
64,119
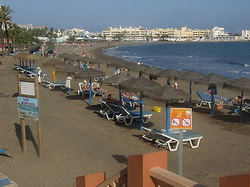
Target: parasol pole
90,92
241,102
120,95
141,122
190,92
212,101
99,67
167,118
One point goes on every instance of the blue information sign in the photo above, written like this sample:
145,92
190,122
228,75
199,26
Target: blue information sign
28,108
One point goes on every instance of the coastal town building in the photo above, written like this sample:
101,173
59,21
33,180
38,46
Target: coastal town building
217,32
246,34
126,33
26,26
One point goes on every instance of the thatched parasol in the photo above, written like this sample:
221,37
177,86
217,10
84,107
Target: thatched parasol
66,56
212,78
89,73
32,57
53,62
138,85
190,76
20,55
117,79
169,73
68,68
150,70
166,93
240,84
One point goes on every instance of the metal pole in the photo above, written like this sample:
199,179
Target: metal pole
141,122
212,101
99,67
190,92
120,95
181,152
90,92
241,102
167,118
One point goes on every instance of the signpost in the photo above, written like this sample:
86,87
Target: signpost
180,118
28,108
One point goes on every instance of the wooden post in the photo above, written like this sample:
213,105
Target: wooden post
23,135
39,137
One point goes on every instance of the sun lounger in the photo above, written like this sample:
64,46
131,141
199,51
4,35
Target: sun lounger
170,140
128,117
205,99
52,85
95,92
110,110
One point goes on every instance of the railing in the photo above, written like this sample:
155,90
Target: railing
118,180
164,178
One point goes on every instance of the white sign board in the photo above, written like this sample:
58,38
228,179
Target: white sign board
27,88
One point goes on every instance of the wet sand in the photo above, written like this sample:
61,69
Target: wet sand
77,141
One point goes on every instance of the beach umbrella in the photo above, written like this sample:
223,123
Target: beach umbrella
190,76
53,63
32,57
167,94
66,56
242,84
117,79
150,70
68,68
138,85
170,74
210,79
89,73
20,56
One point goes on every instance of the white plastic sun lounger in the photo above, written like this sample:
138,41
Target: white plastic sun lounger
128,117
109,111
170,140
52,85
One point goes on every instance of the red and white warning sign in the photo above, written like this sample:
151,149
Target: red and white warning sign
180,118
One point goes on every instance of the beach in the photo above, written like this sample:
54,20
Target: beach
78,141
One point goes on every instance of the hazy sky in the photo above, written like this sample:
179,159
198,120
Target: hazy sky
97,15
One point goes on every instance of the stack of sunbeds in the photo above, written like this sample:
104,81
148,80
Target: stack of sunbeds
29,72
122,114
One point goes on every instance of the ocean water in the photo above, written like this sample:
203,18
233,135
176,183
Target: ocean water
230,59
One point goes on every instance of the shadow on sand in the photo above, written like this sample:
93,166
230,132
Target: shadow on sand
29,135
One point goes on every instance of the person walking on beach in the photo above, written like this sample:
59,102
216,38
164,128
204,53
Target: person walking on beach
39,74
68,83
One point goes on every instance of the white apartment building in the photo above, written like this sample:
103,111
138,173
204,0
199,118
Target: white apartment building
26,26
76,32
246,34
217,32
126,33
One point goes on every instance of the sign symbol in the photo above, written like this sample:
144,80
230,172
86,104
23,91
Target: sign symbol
175,122
186,122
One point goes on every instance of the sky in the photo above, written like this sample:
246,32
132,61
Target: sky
98,15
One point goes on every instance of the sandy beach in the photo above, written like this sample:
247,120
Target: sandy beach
78,141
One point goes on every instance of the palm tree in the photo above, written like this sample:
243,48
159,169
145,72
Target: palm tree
5,19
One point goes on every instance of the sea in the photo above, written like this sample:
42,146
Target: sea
230,59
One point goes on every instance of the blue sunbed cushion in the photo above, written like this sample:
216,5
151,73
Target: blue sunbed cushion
143,113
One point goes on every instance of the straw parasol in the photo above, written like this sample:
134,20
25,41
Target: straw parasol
212,78
242,84
150,70
117,79
32,57
89,73
165,93
20,55
68,68
138,85
169,73
190,76
53,62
